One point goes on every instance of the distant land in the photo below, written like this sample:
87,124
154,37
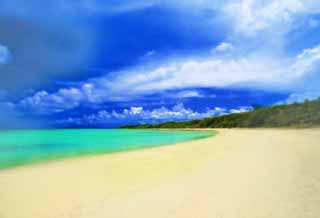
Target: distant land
297,115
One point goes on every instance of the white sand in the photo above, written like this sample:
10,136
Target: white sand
236,174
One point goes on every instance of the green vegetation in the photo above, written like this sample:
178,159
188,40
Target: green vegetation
297,115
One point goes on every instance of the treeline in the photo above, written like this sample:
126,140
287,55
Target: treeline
297,115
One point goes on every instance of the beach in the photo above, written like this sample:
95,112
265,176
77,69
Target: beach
239,173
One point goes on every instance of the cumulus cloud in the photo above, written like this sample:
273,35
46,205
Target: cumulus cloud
252,16
64,99
214,72
266,27
139,115
264,66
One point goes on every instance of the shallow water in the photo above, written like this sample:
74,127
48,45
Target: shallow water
29,146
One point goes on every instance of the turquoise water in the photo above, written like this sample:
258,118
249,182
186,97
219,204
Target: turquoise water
29,146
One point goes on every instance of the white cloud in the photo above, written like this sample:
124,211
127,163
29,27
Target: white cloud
204,73
224,46
259,72
162,114
252,16
240,109
253,65
189,94
133,111
300,97
44,103
5,55
307,61
64,99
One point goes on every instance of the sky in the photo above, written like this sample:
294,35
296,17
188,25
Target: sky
107,63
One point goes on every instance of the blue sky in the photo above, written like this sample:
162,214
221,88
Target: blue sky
104,63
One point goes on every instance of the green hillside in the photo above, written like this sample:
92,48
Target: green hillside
297,115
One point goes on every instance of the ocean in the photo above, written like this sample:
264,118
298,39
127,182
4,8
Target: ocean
20,147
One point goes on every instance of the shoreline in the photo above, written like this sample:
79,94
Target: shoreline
236,173
211,133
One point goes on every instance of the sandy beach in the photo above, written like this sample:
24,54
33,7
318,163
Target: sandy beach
235,174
